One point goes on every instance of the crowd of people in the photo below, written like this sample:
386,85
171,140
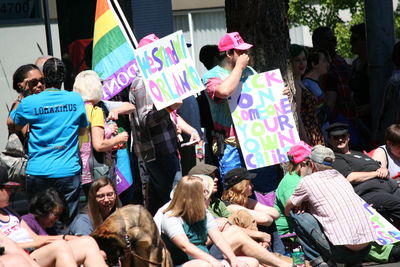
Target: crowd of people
208,214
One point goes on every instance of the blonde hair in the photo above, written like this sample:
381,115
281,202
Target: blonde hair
237,193
93,207
188,200
88,85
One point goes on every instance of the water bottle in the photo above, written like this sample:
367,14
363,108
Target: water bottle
298,258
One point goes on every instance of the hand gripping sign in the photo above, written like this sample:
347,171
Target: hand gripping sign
168,70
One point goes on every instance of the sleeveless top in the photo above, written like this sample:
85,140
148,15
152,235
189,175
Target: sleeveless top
308,113
13,229
393,164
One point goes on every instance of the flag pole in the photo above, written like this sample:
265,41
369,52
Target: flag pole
126,24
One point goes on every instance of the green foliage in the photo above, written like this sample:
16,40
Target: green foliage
397,20
306,12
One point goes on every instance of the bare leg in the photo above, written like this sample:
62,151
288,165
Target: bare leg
12,248
196,263
87,252
251,262
241,242
57,254
12,260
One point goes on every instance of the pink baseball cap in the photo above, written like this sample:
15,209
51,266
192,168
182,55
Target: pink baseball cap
232,40
299,152
148,39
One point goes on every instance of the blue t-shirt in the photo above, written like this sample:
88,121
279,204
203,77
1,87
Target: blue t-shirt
81,225
55,117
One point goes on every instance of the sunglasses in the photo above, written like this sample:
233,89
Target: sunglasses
35,82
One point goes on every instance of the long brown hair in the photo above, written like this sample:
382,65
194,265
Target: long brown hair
93,207
188,200
237,193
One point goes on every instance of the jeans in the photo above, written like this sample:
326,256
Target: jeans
69,187
163,172
266,179
315,243
277,244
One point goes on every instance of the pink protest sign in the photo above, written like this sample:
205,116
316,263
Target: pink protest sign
263,120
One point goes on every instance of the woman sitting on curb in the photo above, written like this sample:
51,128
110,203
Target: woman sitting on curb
236,196
47,251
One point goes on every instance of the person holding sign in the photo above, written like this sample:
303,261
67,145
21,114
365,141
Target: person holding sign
155,140
221,82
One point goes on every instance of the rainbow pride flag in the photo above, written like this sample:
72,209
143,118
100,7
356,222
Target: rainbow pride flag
113,53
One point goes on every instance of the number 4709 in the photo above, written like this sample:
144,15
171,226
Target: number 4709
14,8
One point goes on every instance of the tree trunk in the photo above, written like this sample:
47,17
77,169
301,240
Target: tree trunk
264,24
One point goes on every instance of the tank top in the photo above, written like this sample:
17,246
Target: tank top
393,164
13,230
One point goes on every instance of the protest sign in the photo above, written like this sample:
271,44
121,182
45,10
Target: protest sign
387,233
263,120
168,71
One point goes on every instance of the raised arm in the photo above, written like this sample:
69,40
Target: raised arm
229,85
123,108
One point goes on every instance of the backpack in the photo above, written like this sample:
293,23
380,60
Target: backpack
15,160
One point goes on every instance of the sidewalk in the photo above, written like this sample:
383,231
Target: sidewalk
383,265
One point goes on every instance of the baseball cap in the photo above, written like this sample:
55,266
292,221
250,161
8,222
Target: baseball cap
237,175
148,39
299,152
319,153
233,40
337,128
205,169
4,178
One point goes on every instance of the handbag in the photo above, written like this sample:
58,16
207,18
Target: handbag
15,160
97,169
96,159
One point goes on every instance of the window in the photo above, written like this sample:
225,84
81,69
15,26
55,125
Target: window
19,11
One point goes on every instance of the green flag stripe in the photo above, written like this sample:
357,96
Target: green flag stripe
108,43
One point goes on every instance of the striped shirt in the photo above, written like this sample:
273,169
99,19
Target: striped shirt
333,202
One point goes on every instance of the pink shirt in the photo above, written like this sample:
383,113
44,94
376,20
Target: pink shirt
333,202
